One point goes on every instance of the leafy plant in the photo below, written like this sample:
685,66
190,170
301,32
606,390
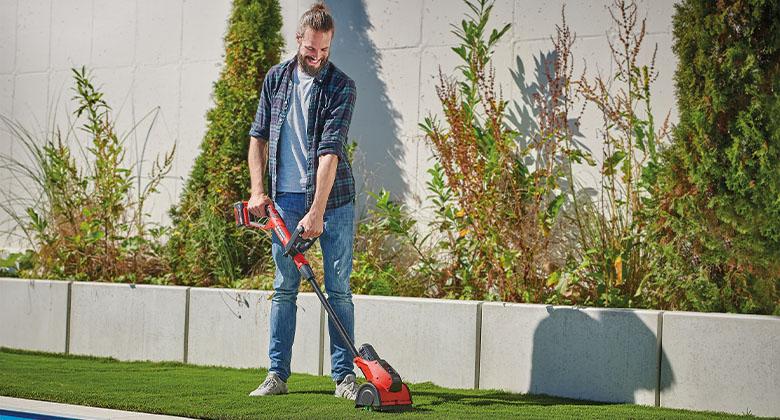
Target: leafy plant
85,223
391,256
496,212
16,262
613,254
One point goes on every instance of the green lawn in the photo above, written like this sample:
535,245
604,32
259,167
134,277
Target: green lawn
210,392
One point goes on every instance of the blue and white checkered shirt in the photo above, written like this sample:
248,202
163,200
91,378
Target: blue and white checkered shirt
330,112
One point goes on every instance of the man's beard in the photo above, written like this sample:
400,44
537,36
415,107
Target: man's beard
308,69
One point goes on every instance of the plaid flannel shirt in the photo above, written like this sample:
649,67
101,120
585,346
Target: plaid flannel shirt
330,112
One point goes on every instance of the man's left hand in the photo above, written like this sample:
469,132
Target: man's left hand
313,224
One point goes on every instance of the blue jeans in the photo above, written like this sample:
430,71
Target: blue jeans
336,242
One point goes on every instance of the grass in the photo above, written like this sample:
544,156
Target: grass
221,393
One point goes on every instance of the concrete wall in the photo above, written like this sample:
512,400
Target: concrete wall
147,54
423,339
33,314
722,362
128,322
229,327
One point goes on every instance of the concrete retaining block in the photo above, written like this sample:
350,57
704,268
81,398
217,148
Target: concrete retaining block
722,362
425,340
32,37
229,327
113,29
158,32
128,322
71,21
595,354
33,314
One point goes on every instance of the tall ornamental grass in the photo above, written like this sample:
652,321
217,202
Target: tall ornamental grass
83,221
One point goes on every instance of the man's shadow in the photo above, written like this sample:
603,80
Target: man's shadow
596,355
437,397
375,122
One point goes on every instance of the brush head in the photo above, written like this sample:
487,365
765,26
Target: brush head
372,398
385,391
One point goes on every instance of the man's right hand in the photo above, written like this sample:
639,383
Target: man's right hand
257,203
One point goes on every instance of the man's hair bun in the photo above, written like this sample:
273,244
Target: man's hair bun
318,18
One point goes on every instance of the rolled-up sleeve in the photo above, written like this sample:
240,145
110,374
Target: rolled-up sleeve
261,127
338,118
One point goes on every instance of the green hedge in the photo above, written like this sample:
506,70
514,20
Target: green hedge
719,199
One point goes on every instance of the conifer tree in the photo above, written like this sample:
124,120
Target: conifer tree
719,196
205,248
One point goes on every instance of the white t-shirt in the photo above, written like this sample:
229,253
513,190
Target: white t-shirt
293,141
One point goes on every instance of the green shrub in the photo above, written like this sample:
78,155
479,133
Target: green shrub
391,257
719,191
16,262
205,248
85,223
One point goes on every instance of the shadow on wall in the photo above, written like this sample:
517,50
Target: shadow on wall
375,122
609,356
524,113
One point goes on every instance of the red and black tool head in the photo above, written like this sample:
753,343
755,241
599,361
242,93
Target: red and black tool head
384,391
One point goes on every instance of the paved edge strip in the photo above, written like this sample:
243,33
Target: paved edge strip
74,411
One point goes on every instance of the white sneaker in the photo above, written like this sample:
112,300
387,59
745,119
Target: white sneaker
347,388
272,385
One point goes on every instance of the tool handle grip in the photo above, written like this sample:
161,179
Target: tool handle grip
244,217
294,245
297,244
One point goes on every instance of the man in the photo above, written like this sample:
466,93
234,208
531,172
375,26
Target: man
301,130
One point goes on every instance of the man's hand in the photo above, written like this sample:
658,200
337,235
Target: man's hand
313,224
257,203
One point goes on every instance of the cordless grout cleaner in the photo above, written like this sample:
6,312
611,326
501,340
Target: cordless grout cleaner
384,391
